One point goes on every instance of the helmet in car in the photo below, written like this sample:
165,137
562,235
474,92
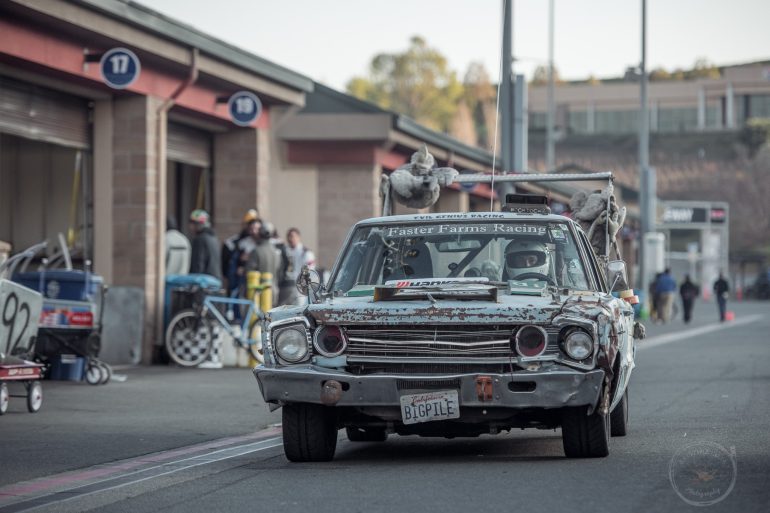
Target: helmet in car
526,256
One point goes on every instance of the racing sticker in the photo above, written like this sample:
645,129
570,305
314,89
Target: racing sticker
557,234
431,282
453,229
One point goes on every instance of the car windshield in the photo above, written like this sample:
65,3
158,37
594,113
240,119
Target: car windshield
496,251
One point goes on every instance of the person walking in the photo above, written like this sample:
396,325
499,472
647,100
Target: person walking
204,257
665,287
177,249
721,292
294,256
689,291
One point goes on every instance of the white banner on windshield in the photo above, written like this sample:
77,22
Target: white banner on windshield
431,282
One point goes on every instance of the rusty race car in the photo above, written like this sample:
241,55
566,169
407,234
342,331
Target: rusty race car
455,325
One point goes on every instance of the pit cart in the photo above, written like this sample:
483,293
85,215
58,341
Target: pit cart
70,318
20,309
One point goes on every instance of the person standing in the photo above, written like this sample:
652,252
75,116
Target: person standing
262,257
234,251
177,249
721,291
665,287
295,256
204,258
689,291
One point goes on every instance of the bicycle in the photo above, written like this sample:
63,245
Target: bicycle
190,333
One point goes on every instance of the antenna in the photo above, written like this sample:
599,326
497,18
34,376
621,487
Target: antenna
497,106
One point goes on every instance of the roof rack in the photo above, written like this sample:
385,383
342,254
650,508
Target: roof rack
533,177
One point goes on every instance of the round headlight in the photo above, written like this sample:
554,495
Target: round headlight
531,341
578,345
291,344
330,341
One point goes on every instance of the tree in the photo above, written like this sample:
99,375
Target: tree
479,93
417,83
540,76
703,69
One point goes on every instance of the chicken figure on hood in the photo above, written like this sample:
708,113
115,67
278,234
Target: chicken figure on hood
416,184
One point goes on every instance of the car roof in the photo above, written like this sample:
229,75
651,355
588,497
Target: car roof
464,216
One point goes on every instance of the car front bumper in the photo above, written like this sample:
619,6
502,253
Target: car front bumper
553,388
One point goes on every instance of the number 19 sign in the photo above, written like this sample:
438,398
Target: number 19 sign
244,108
119,68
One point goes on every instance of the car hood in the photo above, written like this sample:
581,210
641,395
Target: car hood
507,309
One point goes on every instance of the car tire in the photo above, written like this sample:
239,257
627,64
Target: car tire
356,434
619,417
585,436
309,432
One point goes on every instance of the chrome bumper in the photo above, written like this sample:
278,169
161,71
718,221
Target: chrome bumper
546,389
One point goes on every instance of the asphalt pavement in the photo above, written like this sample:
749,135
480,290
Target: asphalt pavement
195,440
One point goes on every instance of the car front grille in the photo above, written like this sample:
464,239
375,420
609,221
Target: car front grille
436,344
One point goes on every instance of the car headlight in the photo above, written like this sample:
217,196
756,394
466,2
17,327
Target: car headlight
531,341
330,341
578,344
291,343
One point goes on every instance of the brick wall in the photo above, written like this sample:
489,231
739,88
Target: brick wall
135,198
237,170
346,195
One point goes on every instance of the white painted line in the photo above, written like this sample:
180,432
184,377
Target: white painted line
694,332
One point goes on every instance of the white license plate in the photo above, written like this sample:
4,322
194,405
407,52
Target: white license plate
428,406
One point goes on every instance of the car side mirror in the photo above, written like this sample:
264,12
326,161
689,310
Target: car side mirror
617,276
309,283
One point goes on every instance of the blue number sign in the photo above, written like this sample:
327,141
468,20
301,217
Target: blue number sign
244,108
119,68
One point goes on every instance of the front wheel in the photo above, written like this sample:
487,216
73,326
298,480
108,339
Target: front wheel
309,432
585,436
189,339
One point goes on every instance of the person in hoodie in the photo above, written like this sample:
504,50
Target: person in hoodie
204,258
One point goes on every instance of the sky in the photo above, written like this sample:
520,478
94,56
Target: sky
331,41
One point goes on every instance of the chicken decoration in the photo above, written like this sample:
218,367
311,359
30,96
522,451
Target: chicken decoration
416,184
600,217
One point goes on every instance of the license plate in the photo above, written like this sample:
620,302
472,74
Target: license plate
428,406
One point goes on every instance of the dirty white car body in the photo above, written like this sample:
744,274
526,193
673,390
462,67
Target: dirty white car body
422,330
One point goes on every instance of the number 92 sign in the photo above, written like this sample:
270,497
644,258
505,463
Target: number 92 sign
119,68
19,314
244,108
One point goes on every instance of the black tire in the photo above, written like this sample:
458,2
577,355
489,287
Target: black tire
366,434
4,398
619,416
189,339
309,432
585,436
34,397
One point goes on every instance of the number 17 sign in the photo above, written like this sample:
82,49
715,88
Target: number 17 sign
119,68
